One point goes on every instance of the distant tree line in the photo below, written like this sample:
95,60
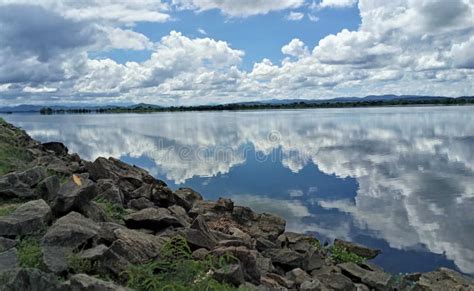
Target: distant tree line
294,105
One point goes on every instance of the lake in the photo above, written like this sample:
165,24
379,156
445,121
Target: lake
397,179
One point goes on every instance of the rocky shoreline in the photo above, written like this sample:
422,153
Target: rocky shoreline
71,224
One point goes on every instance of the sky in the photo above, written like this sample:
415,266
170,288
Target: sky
188,52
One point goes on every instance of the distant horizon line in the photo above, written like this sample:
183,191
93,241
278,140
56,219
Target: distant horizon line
265,101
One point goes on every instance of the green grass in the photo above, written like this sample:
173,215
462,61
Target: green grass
113,211
29,252
12,156
176,270
7,208
342,255
80,265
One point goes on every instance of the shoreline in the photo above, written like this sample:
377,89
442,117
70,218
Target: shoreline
106,223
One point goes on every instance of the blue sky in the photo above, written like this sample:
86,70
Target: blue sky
185,52
259,36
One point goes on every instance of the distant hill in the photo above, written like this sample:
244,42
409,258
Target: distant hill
349,99
25,108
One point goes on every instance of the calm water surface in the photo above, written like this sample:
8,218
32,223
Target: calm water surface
398,179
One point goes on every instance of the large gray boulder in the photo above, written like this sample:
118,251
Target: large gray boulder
66,235
153,218
336,282
57,148
231,274
357,249
247,259
115,170
48,188
33,280
443,279
199,235
73,194
109,190
285,258
28,218
373,278
6,244
8,260
83,282
186,197
136,246
21,184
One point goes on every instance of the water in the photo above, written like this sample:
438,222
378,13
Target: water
398,179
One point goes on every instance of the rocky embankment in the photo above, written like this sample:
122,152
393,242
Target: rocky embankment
70,224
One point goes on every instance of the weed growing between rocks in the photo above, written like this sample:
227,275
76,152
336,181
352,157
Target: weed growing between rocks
11,156
177,270
7,208
29,253
113,211
80,265
342,255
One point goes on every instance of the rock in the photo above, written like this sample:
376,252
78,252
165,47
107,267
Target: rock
231,274
180,213
93,211
443,279
268,226
144,191
336,282
203,208
298,242
8,260
55,147
48,188
270,283
282,281
115,170
237,233
67,234
33,280
264,244
81,282
140,203
21,184
311,285
314,259
28,218
112,264
162,196
199,236
153,218
243,215
186,197
286,258
247,259
109,190
361,287
234,243
6,244
73,194
94,253
357,249
264,265
298,276
107,232
200,254
224,204
374,279
135,246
